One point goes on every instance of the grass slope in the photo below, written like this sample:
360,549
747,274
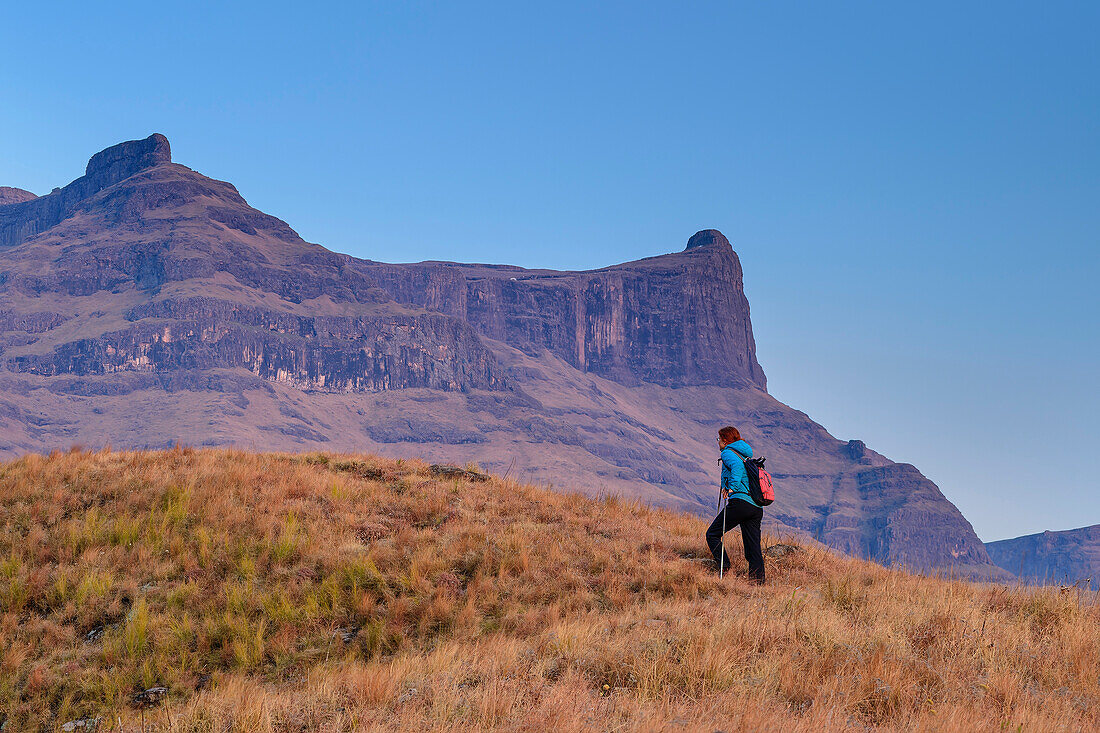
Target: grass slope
274,592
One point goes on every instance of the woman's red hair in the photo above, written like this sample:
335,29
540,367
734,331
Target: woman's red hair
729,434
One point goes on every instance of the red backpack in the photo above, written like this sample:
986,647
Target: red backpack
761,488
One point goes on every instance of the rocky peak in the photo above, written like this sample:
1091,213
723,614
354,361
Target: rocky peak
707,237
22,220
133,156
857,451
9,195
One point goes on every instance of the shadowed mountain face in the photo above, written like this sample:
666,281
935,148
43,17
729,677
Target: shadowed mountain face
145,304
1069,557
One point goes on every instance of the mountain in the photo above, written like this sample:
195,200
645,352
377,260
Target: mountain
145,304
1069,557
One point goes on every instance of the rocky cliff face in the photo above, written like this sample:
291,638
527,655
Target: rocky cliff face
675,320
155,268
1071,557
325,353
145,304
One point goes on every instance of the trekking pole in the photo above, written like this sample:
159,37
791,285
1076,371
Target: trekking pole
722,544
722,548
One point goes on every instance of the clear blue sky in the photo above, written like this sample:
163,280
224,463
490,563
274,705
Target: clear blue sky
913,188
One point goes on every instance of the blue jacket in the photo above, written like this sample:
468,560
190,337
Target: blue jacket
734,478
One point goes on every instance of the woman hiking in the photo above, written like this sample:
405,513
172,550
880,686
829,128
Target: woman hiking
740,509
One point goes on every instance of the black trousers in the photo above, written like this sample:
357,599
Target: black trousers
748,516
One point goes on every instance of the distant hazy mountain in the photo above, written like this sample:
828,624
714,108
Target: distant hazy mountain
145,304
1068,557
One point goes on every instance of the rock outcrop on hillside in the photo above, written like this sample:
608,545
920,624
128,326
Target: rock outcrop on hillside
146,304
1069,557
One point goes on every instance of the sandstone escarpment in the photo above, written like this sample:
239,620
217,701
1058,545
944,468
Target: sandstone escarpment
186,276
124,240
328,353
675,320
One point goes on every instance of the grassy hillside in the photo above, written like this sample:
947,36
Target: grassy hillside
335,593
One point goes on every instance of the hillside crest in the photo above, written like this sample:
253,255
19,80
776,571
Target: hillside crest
322,592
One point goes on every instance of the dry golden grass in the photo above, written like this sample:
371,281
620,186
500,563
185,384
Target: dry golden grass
337,593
